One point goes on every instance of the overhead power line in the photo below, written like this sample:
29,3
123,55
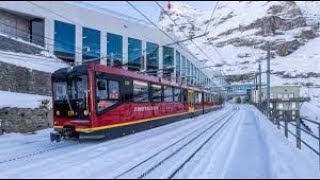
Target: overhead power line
213,11
183,31
206,34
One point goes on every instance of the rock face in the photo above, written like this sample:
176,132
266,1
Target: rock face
24,120
23,80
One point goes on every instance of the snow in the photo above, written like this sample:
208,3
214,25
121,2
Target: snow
43,62
21,100
310,10
21,40
310,111
247,146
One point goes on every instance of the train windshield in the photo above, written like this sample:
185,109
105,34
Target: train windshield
70,96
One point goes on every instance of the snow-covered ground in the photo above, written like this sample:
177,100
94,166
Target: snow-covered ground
228,143
310,111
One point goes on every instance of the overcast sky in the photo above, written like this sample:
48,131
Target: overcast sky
149,8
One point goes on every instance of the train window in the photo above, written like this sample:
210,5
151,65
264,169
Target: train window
156,93
205,98
184,96
140,91
102,89
198,98
114,90
60,90
168,94
177,93
107,92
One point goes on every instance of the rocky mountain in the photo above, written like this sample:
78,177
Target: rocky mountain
239,34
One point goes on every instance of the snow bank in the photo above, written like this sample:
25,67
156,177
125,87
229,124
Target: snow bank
21,100
42,62
310,111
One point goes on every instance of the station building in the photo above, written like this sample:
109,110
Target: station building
78,33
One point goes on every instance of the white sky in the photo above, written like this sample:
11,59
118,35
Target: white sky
149,8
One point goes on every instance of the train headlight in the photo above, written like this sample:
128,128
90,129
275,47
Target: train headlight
85,112
58,113
71,113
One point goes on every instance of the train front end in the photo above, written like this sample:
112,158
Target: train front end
71,102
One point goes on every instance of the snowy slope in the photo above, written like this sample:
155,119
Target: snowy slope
235,32
240,30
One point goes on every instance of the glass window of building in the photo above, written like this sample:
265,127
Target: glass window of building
178,67
134,54
197,78
168,62
114,49
192,74
280,106
64,40
90,44
188,72
152,58
183,69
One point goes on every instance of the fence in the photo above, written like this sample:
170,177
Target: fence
300,126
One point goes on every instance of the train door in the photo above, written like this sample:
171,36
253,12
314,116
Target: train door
191,101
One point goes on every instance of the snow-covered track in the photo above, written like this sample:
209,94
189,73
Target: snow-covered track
47,147
152,163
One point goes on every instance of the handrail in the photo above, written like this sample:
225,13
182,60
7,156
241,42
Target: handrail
298,128
309,120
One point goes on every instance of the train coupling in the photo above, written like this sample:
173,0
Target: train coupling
55,137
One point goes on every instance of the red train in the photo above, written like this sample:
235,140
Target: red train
97,101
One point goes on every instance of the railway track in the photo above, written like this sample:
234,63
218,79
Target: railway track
173,150
48,147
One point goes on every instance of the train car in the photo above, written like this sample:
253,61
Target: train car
94,101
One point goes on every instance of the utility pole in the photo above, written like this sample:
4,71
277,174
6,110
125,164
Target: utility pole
260,85
268,79
256,89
